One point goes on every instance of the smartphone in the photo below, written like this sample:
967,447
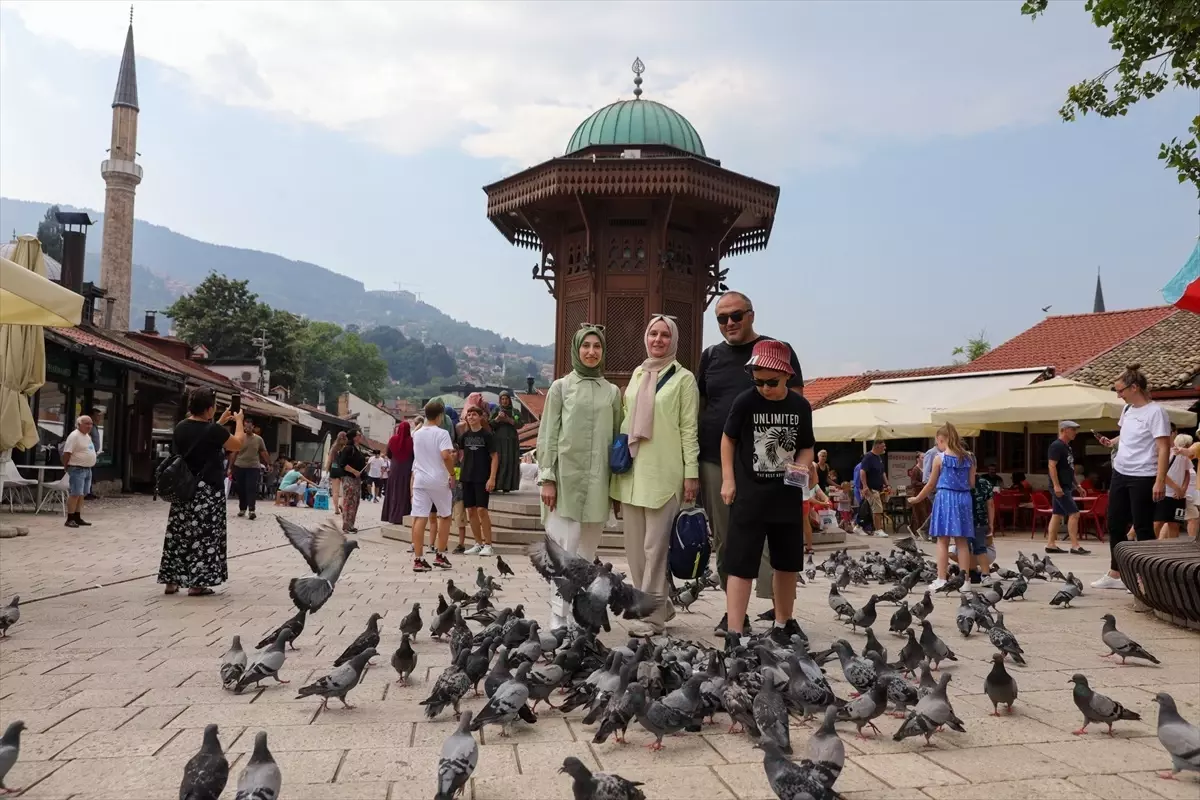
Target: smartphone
235,403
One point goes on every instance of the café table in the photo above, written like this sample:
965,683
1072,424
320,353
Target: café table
41,470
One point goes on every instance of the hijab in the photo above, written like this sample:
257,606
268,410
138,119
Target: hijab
641,426
400,446
474,400
510,409
577,365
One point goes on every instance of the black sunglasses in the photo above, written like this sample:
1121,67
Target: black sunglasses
768,382
736,316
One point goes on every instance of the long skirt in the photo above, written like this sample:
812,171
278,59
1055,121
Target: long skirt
508,470
351,496
193,554
396,501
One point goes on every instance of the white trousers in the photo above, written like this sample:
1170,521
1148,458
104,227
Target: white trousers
577,538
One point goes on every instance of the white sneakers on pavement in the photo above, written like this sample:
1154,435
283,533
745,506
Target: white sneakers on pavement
1107,581
486,550
473,550
937,584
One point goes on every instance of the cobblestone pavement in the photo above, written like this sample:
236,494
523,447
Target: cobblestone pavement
115,682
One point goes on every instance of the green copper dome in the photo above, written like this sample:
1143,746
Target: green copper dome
636,122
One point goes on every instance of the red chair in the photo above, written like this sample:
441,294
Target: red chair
1007,503
1042,508
1098,514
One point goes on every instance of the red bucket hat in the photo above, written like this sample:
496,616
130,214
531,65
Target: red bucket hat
771,354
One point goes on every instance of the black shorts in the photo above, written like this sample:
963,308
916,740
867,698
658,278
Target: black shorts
744,545
475,494
1064,506
1170,509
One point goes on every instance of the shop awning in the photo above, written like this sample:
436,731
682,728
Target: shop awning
27,298
940,392
859,417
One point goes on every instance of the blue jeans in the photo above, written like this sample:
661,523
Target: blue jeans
79,480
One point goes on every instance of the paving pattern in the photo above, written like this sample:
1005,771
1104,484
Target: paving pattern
116,681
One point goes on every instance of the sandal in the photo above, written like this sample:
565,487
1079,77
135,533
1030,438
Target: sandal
171,589
200,592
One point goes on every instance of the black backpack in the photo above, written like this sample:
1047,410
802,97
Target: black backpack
174,480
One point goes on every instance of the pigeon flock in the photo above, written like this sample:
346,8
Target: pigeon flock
656,687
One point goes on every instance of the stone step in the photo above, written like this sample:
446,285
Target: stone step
515,504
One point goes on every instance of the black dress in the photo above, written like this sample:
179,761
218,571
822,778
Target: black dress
194,547
508,447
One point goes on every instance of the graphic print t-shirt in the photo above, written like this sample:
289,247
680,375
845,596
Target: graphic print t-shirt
477,447
768,434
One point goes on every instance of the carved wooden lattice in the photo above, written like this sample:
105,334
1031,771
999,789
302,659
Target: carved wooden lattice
626,325
575,313
627,253
681,310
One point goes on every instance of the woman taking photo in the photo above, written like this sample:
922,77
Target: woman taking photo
353,463
1139,468
506,421
193,554
397,504
581,417
335,473
662,402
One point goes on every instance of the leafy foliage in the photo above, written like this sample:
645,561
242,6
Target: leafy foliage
50,234
409,361
1159,43
975,347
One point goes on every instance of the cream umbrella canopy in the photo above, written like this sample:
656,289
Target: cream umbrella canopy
860,418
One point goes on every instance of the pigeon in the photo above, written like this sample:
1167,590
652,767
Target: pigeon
825,747
449,688
503,568
339,682
964,617
770,713
455,594
865,616
1004,641
911,654
443,622
900,693
952,584
932,712
901,619
441,606
866,707
623,708
404,660
233,663
1065,595
265,663
460,755
1017,589
9,615
503,706
206,773
295,625
687,595
367,640
935,649
859,672
411,624
873,646
1179,738
588,785
795,781
672,713
261,778
840,605
326,550
1121,645
10,749
999,686
591,590
1096,707
923,607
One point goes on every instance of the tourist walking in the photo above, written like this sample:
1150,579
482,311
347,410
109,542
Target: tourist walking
660,417
873,480
1061,463
506,423
353,464
194,547
247,469
721,377
78,456
375,468
335,472
953,517
1139,468
432,487
580,419
397,502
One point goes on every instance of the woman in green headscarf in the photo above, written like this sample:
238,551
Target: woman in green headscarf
582,414
506,422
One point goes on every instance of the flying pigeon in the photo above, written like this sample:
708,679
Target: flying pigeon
9,615
588,785
1121,645
460,754
1095,707
206,773
411,624
404,660
261,778
295,625
367,640
10,749
999,686
591,590
1179,738
233,664
339,682
265,663
326,550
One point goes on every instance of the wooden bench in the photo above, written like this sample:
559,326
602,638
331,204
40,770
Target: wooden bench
1164,575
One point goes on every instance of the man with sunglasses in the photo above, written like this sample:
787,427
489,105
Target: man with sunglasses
722,377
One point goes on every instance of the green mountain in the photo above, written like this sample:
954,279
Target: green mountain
168,264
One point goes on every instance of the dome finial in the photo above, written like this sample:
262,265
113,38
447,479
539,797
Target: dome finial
638,69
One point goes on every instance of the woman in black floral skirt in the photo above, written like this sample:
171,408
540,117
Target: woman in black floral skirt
194,548
353,463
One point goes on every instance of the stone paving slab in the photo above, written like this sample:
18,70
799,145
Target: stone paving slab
116,683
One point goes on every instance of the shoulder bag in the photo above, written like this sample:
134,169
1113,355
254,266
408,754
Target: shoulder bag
620,460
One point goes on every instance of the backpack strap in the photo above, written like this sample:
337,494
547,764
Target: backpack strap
662,381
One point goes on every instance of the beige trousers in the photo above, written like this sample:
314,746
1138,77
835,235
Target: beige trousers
579,538
718,518
647,540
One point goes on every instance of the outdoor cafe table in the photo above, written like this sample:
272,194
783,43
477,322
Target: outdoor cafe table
41,479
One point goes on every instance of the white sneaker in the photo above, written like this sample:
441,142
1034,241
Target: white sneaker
953,549
937,584
1108,582
859,531
486,550
881,535
473,551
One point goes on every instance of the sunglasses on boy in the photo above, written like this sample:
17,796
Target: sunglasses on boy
735,316
770,383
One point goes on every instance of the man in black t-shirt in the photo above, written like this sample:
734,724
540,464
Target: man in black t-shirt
768,433
478,477
721,377
1062,482
873,480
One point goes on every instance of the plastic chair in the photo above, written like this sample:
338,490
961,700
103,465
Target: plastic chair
1098,514
1007,503
15,486
60,489
1042,509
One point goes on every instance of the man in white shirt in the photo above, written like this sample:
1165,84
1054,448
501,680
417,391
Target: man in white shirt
375,466
78,456
432,486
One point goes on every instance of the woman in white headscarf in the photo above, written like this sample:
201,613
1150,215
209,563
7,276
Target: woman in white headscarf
661,405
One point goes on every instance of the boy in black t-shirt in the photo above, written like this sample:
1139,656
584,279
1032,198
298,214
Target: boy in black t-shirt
479,462
768,429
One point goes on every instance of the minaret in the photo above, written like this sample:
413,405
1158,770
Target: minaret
1098,302
121,174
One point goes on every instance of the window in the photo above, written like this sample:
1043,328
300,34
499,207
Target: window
987,447
103,426
1013,447
51,415
1040,449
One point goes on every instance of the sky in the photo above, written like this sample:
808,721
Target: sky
930,190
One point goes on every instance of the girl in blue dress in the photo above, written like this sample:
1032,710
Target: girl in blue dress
952,519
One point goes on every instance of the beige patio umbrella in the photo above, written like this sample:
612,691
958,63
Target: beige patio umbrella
28,301
1041,405
861,418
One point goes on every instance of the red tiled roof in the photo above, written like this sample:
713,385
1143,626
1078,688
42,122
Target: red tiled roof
534,402
86,338
188,368
1068,342
527,436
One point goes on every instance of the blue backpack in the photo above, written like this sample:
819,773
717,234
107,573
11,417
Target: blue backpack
687,556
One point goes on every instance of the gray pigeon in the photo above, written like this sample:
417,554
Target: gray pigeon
340,681
9,615
770,713
869,705
233,664
261,778
295,625
932,712
873,646
588,785
865,616
325,550
923,607
901,619
206,773
911,654
411,624
1096,707
840,605
673,713
1017,589
460,754
999,686
265,663
449,687
935,649
825,747
795,781
859,672
368,639
964,617
1065,595
1121,645
505,705
404,660
1179,738
1004,641
10,749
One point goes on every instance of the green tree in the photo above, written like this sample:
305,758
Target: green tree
1159,46
337,361
50,234
974,348
222,314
